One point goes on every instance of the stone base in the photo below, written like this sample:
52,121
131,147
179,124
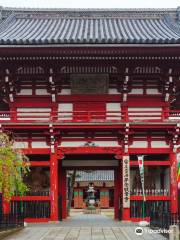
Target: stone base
92,211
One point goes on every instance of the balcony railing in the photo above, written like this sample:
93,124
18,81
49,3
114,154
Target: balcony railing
89,116
150,192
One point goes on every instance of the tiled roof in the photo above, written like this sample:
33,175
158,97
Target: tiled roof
88,26
98,175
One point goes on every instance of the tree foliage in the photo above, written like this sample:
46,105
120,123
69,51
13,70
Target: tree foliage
13,166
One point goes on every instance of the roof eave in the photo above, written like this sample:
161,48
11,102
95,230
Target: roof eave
149,45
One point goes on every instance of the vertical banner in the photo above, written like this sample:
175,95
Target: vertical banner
178,171
126,182
178,176
141,170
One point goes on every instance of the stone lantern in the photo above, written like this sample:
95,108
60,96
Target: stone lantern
91,197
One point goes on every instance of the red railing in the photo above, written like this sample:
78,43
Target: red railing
89,116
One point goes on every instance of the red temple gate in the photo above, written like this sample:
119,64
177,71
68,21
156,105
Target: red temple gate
110,94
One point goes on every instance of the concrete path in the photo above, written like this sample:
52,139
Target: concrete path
84,227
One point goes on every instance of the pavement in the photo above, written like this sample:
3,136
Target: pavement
84,227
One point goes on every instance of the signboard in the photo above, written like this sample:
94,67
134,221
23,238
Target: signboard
126,182
89,83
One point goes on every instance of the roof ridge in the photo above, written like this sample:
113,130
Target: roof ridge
90,9
91,14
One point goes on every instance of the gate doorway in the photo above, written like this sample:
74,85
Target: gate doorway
78,172
79,185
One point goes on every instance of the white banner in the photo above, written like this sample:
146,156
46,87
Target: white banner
126,182
141,170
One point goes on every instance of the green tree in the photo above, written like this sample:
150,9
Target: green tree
14,165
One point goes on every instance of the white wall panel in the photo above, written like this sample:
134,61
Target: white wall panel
113,91
136,91
113,107
25,92
41,92
39,145
65,91
20,144
159,144
33,113
140,113
65,111
152,91
139,144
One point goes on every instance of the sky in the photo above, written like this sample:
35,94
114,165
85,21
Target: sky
91,3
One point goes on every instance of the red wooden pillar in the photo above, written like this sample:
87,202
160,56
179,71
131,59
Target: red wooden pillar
64,191
173,183
54,185
117,190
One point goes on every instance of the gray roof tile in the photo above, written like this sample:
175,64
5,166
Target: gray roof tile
89,26
97,175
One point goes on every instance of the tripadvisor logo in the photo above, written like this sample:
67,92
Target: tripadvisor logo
139,231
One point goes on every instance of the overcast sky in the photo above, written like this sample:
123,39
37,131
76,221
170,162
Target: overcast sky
91,3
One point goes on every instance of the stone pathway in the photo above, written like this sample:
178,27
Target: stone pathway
84,227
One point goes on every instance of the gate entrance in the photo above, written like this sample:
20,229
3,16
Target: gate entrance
78,171
88,192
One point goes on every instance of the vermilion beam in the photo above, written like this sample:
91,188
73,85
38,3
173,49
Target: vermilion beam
40,163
